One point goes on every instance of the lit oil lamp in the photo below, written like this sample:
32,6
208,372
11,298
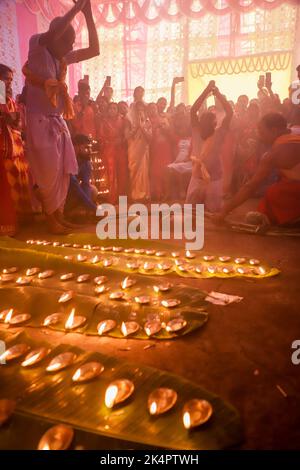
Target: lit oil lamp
160,254
14,352
46,243
32,271
11,270
165,287
46,274
52,319
139,251
30,242
224,259
148,266
119,295
260,271
23,281
132,265
58,437
184,268
76,245
142,299
107,262
101,289
240,260
118,249
95,248
242,270
170,303
129,328
96,259
62,361
127,283
35,357
129,250
106,248
67,277
56,244
208,258
118,391
175,254
4,313
196,412
152,327
175,325
74,321
105,326
5,278
81,258
212,269
254,262
66,245
150,252
164,266
227,270
87,372
199,269
7,408
83,278
161,400
69,257
99,280
15,319
190,255
179,262
66,297
87,247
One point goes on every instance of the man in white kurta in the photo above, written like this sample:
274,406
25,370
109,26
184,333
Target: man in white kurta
50,151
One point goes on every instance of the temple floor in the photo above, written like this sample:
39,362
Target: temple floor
243,353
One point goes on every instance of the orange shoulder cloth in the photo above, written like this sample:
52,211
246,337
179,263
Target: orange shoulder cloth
287,139
53,88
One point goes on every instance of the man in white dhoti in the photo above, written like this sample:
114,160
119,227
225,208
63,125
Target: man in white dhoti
50,151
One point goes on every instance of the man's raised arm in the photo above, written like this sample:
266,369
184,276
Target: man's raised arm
94,49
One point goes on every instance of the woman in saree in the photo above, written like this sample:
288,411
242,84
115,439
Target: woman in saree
138,132
113,145
14,187
161,150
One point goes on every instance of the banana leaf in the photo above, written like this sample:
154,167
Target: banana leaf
53,396
120,259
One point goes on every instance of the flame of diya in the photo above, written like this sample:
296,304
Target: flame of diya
196,412
170,303
46,274
23,281
67,276
35,357
58,437
129,328
52,319
62,361
88,371
175,325
105,326
74,321
127,283
118,391
161,400
14,352
66,297
32,271
152,327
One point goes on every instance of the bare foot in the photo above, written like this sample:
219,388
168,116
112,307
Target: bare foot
55,227
62,221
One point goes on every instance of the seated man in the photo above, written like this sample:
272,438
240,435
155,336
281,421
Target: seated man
80,188
281,202
211,177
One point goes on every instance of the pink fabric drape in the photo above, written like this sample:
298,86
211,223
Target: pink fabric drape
132,12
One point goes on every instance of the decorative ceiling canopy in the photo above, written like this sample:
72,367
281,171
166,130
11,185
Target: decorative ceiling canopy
110,13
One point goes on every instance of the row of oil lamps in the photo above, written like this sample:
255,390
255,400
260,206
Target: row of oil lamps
73,322
163,266
160,401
